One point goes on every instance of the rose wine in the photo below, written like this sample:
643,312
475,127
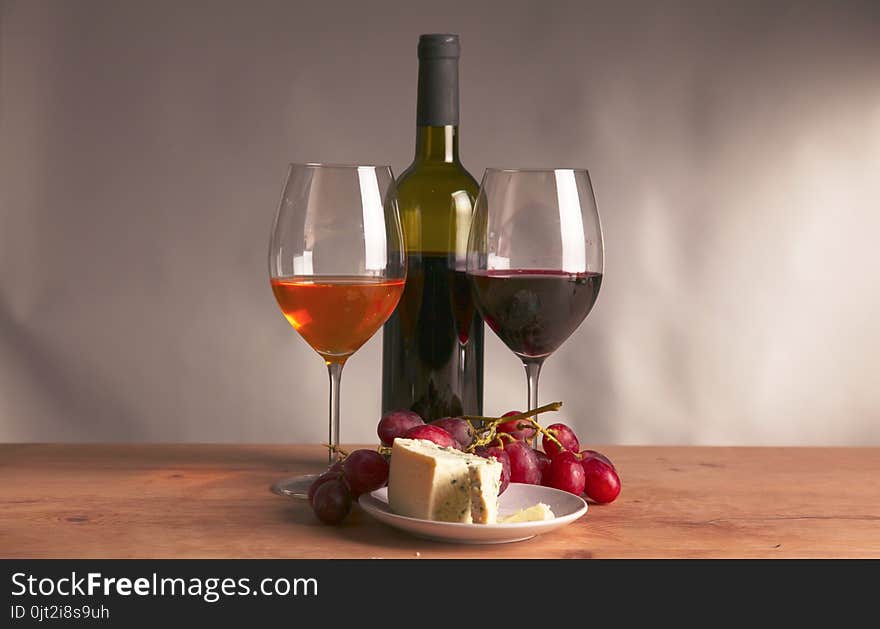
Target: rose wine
432,346
534,311
336,314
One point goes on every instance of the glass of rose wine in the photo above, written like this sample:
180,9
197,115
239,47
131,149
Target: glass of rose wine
337,267
535,259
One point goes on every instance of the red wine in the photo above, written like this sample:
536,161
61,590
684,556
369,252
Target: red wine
534,311
463,308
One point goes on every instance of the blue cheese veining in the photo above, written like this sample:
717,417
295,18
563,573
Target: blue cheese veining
435,483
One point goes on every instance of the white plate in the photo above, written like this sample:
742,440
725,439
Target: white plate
567,508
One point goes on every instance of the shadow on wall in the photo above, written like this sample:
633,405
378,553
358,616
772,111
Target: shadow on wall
67,403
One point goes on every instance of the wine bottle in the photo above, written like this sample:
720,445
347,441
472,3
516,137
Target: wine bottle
432,346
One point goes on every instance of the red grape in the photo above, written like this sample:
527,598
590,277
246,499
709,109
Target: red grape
564,435
501,455
602,482
589,454
567,473
395,423
365,471
459,428
543,465
432,433
523,463
331,502
329,475
517,428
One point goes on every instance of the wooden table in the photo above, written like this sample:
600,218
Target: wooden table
165,501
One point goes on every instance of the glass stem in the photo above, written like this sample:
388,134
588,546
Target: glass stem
533,370
335,370
462,357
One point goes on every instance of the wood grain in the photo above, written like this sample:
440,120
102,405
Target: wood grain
167,501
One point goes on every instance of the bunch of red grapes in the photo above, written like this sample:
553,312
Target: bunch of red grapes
560,463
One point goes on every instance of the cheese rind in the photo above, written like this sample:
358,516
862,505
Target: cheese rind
431,482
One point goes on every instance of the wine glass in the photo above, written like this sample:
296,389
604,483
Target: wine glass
535,259
337,267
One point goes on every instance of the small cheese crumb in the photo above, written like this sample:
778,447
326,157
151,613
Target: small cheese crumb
534,513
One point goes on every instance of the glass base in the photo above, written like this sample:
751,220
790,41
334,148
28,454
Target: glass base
295,486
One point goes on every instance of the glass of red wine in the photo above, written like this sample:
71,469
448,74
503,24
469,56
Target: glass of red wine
337,267
535,259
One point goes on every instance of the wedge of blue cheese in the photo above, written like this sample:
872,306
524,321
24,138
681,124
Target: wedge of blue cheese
431,482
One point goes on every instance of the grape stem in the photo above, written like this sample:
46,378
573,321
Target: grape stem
342,453
490,425
547,434
552,406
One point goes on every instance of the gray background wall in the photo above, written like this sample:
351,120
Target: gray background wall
734,149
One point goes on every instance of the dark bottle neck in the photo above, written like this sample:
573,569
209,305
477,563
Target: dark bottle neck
437,105
437,144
